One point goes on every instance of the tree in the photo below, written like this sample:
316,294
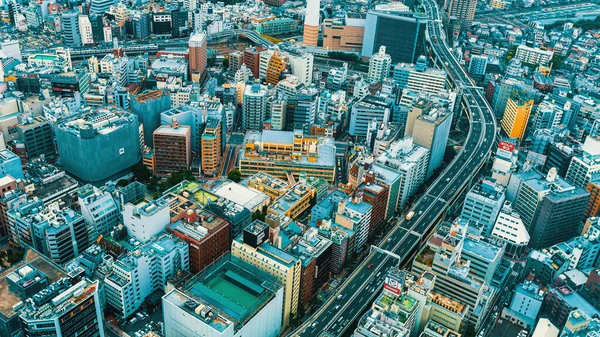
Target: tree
141,172
234,175
122,182
226,63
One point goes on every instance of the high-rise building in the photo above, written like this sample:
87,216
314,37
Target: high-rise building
463,10
206,234
99,7
477,66
146,219
593,207
394,26
410,161
172,148
419,77
253,247
586,166
99,209
197,50
367,110
430,130
70,28
312,20
141,270
85,30
148,106
211,145
344,33
510,228
99,144
483,203
204,306
379,66
254,107
355,214
533,55
302,109
64,308
550,208
276,67
516,115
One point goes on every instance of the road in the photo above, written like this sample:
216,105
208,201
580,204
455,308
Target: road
404,239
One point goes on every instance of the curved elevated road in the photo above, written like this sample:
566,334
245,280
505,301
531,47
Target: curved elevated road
400,244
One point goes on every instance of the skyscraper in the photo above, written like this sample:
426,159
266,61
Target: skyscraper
172,148
483,203
148,107
311,22
379,66
586,166
70,28
85,30
211,148
197,50
254,107
516,115
463,10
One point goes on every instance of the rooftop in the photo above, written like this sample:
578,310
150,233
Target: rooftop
242,195
101,121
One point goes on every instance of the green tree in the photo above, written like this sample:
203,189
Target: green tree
234,175
141,172
226,63
122,182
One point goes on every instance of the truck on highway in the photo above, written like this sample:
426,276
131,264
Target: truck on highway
410,215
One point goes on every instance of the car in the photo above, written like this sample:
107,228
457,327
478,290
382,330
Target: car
336,307
370,266
447,179
420,212
340,296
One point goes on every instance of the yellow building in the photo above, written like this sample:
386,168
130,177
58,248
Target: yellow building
281,152
516,116
211,148
268,184
446,311
277,65
295,201
252,247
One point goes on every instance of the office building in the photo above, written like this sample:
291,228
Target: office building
561,300
510,229
463,10
534,56
477,65
346,33
10,165
70,28
249,198
254,107
54,230
528,299
146,219
204,306
430,129
236,215
377,196
197,55
550,208
148,106
292,203
312,21
207,236
143,269
558,155
38,136
64,308
355,214
379,66
99,144
365,111
516,116
483,203
586,166
69,83
253,247
172,148
211,145
302,109
85,30
99,209
394,26
419,77
279,26
274,152
410,161
593,207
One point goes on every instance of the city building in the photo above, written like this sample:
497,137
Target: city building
148,107
585,166
483,203
197,54
593,207
172,148
510,228
99,209
279,26
379,66
143,269
236,215
292,203
410,161
312,21
355,214
394,26
99,144
248,198
274,152
419,77
477,64
463,10
534,56
146,219
550,208
211,145
253,247
207,236
365,111
516,116
254,107
64,308
10,165
231,298
38,136
344,33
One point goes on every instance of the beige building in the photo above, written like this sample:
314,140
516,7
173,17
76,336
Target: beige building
253,247
172,148
340,34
